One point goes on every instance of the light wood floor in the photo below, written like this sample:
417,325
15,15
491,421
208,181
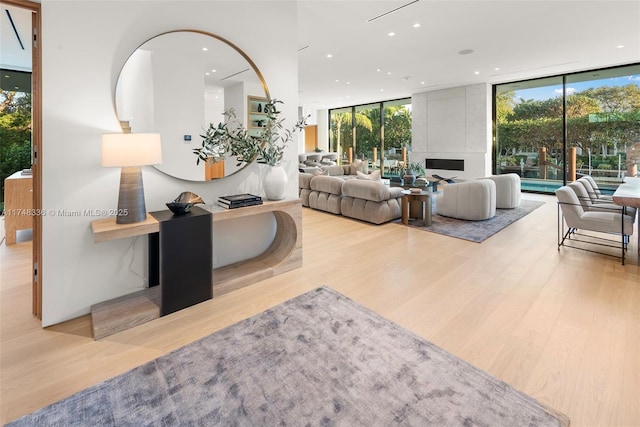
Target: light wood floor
563,326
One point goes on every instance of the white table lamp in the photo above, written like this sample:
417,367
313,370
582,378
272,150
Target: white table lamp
129,151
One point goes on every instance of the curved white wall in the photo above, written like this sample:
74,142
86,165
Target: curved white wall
84,46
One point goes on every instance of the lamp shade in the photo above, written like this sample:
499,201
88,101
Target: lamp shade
131,149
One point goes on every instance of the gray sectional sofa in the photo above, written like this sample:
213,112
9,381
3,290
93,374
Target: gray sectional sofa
342,191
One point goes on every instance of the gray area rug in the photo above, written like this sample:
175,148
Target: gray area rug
476,231
319,359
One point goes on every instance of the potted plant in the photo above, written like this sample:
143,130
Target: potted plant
270,145
417,169
226,139
267,147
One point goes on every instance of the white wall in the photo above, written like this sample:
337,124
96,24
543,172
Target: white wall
454,123
84,46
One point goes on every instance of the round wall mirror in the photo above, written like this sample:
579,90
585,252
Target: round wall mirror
179,82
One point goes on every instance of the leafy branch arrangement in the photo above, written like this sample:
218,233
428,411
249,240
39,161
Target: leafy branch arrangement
233,139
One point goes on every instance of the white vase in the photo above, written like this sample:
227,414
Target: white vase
275,182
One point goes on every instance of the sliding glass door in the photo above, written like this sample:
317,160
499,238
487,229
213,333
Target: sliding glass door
603,120
552,130
378,133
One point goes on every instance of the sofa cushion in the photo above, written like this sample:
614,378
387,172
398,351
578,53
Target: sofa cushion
304,180
327,184
373,212
375,191
334,170
325,201
373,176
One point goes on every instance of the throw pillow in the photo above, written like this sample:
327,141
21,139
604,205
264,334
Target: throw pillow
358,165
373,176
319,171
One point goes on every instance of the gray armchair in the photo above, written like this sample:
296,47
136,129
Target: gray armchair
588,229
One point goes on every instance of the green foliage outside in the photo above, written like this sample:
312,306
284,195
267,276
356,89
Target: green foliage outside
600,120
15,135
367,130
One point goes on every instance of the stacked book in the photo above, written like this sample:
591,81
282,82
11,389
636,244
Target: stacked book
239,201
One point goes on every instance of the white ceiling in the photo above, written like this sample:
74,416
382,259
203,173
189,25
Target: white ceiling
14,55
524,39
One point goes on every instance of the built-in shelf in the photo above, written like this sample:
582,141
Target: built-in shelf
256,116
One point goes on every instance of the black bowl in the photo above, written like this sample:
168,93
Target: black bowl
179,208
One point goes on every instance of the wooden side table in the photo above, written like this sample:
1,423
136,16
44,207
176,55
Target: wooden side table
417,205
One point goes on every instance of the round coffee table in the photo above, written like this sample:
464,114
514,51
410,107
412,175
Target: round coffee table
417,205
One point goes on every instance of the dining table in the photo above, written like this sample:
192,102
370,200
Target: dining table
628,194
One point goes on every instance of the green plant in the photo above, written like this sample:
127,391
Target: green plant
417,168
270,142
231,138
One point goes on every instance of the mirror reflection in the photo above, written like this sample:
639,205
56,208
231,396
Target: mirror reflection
179,82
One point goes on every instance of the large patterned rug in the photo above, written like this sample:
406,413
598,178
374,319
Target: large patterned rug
476,231
319,359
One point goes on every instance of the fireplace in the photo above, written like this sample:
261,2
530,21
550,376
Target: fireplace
445,164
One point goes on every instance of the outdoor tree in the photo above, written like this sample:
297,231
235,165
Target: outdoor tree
341,129
15,134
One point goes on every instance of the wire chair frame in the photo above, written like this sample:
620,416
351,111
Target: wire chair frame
573,234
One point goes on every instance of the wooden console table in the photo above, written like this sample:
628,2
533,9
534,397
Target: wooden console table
284,254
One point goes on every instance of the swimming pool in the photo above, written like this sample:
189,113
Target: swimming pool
539,186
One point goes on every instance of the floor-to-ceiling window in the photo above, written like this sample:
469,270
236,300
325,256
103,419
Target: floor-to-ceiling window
554,129
379,133
341,132
397,135
367,131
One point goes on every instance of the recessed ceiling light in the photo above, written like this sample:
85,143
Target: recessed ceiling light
206,74
337,81
476,72
329,55
416,25
391,34
214,71
388,73
205,49
620,46
348,83
421,83
497,69
465,51
378,70
381,90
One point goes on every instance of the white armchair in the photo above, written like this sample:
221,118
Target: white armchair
470,200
